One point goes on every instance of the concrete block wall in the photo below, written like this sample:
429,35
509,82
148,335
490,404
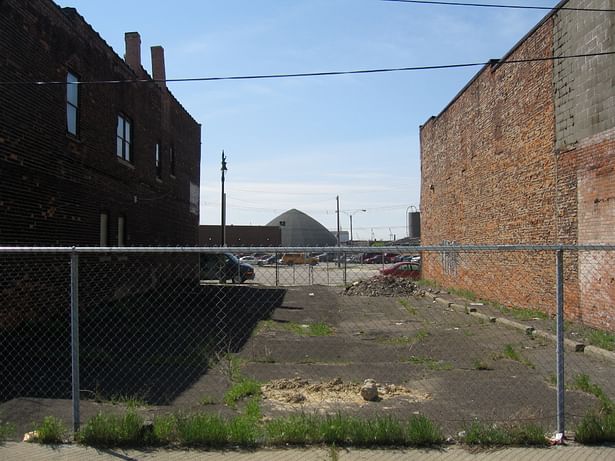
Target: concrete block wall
584,96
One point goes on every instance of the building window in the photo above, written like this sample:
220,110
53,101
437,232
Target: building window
172,160
104,229
121,231
158,161
124,138
72,104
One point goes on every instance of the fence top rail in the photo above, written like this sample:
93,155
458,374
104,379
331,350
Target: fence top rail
336,250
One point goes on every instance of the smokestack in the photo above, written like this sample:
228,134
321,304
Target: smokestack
133,52
158,70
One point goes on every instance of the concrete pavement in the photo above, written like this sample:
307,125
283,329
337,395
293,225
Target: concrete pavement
14,451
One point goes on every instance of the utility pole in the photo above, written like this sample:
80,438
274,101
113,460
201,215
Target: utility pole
223,169
338,219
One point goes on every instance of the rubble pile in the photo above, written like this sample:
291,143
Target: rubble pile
384,286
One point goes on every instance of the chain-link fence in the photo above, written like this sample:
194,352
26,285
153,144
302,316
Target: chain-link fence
454,333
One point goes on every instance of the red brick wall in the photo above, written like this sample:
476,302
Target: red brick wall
596,217
488,177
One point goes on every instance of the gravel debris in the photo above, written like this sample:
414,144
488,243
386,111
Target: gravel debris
381,285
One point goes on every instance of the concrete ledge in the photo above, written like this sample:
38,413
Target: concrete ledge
443,301
600,352
483,316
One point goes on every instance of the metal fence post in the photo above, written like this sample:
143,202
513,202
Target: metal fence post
559,294
74,321
345,268
277,270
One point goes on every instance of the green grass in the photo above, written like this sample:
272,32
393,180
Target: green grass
127,430
248,430
481,365
131,401
596,428
406,304
521,313
432,364
463,293
7,431
243,388
583,383
426,283
482,434
405,340
207,400
309,329
602,339
341,430
50,431
511,353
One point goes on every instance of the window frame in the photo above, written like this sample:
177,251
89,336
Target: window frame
158,161
72,80
126,138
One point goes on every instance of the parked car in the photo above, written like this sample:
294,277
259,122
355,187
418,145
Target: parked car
381,258
223,267
402,269
266,259
407,258
297,258
326,257
249,259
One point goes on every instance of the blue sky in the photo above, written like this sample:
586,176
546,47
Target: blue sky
298,143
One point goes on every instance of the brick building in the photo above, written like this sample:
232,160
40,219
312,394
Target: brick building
240,236
525,154
93,163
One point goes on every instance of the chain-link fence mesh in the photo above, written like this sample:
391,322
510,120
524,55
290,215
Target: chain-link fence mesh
454,333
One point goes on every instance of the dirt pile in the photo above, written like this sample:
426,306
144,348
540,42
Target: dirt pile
384,286
283,393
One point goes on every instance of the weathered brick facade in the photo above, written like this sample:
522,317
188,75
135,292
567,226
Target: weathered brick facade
525,154
54,186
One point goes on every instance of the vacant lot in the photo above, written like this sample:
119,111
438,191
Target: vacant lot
315,349
319,346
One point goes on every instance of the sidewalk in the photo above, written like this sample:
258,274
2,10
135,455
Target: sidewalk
33,452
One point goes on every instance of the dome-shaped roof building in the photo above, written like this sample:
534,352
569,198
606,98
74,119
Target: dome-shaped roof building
301,230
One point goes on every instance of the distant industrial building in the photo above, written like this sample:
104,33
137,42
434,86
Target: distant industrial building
300,230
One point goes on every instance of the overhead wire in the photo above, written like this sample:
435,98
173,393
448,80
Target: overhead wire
504,6
312,74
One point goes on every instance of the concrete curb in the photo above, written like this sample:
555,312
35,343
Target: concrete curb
570,344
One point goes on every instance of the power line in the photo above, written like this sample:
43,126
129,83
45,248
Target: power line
492,5
313,74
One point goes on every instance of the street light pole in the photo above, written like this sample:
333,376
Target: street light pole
223,169
350,216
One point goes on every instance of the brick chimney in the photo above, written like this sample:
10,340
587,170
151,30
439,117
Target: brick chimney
133,52
158,70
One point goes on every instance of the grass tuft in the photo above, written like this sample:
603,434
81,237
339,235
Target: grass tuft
481,365
7,431
482,434
128,430
244,388
596,428
602,339
511,353
432,364
422,432
51,431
